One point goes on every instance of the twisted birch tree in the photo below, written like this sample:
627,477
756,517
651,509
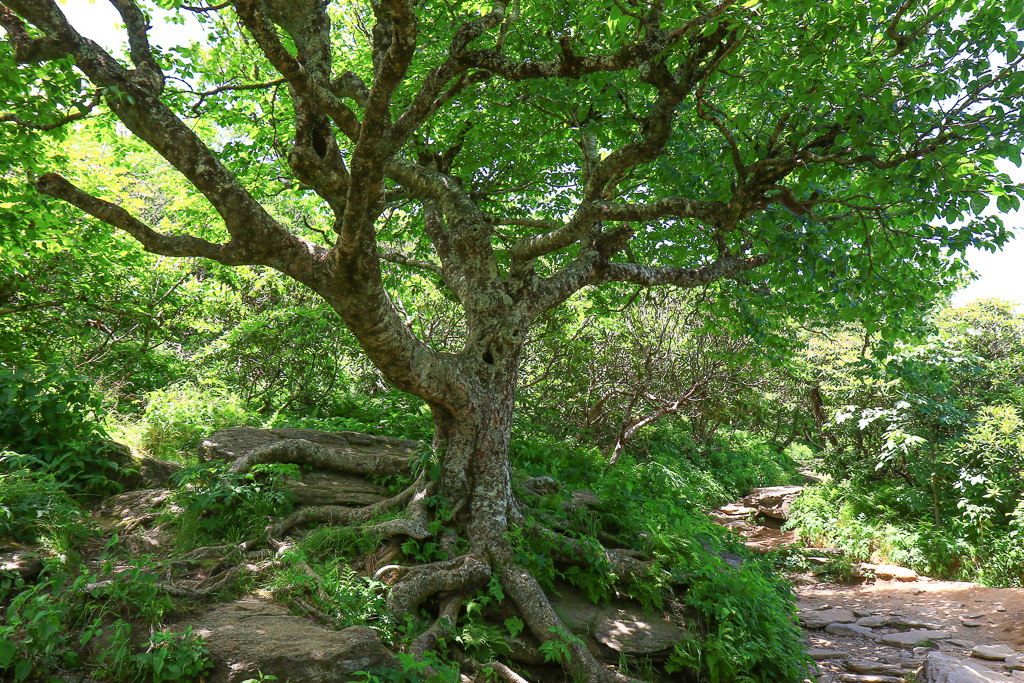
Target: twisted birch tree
831,156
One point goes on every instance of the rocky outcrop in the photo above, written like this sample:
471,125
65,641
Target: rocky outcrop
940,668
772,501
618,628
251,636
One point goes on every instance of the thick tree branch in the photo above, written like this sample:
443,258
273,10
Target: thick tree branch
137,25
656,276
152,241
253,17
401,259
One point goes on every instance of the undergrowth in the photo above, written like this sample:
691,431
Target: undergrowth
839,515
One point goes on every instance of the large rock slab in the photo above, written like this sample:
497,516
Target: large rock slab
997,652
886,572
26,562
824,617
851,630
251,636
623,628
360,453
772,501
871,667
910,639
940,668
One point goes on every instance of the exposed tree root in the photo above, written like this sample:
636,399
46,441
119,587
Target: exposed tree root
302,452
479,669
569,550
450,581
445,622
544,623
419,583
339,514
205,589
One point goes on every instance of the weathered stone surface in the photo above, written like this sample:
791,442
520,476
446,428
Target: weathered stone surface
133,509
886,572
251,636
965,644
870,666
334,488
940,668
822,654
1015,662
911,639
851,630
992,652
822,618
772,501
25,562
914,622
875,621
869,678
621,627
361,453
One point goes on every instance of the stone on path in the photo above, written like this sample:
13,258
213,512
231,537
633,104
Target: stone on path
820,654
1015,662
875,622
250,636
823,617
773,501
911,622
869,678
838,629
869,666
887,572
940,668
992,652
910,639
965,644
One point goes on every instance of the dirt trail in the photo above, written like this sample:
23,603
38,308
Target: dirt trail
879,630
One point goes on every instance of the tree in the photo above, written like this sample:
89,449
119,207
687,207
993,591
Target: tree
783,153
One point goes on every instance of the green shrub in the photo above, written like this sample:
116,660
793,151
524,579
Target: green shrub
178,418
744,623
218,505
50,419
34,505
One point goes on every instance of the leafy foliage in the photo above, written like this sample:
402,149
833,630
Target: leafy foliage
49,420
219,505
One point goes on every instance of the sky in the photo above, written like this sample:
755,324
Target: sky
1001,274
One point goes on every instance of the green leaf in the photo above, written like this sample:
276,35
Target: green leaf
8,649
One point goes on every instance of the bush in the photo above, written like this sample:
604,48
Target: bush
33,505
178,418
219,505
50,419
